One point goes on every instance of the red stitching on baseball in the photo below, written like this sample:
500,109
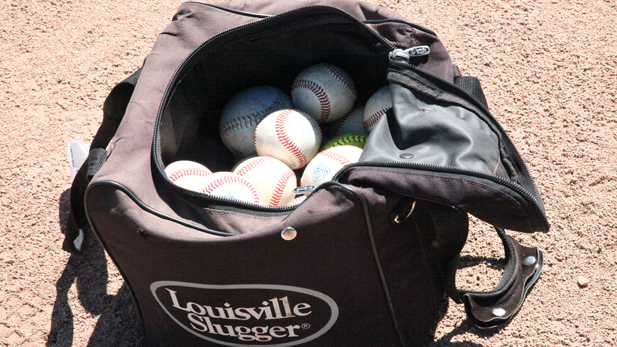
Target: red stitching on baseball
247,120
324,101
339,77
255,138
231,179
372,120
280,187
339,124
283,136
248,167
176,175
337,157
241,122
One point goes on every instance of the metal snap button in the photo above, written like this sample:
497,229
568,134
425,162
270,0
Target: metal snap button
499,312
289,234
529,261
109,149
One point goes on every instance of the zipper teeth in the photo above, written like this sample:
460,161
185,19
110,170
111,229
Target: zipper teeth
507,141
199,48
446,169
443,169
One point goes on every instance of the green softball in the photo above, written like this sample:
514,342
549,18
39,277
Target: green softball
345,140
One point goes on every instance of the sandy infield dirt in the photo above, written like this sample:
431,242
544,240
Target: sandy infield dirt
549,72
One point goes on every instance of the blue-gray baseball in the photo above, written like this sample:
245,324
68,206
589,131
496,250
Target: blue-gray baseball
351,123
324,91
244,111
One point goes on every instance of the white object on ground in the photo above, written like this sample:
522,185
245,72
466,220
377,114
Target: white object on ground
78,153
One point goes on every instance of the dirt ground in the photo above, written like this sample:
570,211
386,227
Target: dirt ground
548,68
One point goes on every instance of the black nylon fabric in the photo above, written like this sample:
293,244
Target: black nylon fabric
453,151
435,134
473,86
331,255
113,112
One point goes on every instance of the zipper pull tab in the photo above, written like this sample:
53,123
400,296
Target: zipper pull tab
303,190
406,54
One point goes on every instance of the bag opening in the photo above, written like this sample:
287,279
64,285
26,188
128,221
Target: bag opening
188,128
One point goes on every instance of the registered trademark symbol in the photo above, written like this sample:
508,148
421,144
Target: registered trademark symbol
306,326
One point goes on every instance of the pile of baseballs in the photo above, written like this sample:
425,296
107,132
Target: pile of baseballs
279,136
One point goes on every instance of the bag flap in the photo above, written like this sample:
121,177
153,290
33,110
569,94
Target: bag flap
440,144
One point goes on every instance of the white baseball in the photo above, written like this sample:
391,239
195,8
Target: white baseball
186,173
327,163
228,185
376,107
244,111
324,91
290,136
273,180
351,123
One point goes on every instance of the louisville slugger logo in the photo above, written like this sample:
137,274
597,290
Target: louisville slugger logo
243,315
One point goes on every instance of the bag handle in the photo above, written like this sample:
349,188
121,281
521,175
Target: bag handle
494,308
497,307
113,111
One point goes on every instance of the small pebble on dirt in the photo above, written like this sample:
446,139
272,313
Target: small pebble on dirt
583,281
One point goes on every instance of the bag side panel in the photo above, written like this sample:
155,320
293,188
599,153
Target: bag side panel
174,273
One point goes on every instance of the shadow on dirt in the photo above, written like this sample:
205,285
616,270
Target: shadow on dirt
465,327
117,323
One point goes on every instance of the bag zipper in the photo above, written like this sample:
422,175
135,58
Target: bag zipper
440,169
366,21
450,170
168,90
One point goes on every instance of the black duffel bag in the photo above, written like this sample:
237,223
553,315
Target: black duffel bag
367,258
